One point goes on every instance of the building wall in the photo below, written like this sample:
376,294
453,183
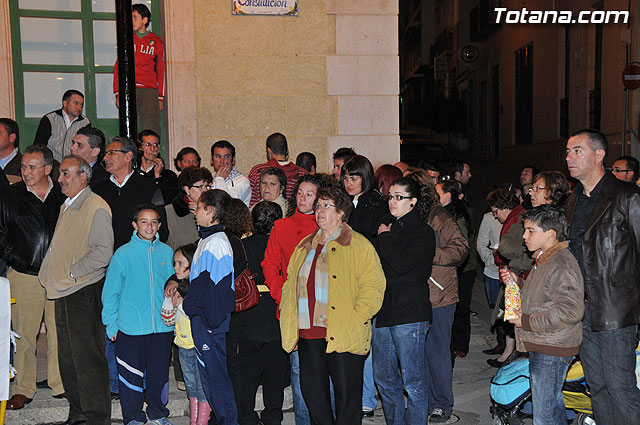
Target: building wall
326,78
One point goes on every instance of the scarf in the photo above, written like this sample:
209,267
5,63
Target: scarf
321,306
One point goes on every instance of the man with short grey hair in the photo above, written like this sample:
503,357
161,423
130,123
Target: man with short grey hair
28,215
73,274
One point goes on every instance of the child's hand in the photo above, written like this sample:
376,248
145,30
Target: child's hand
508,275
113,338
160,105
170,289
384,228
177,299
117,102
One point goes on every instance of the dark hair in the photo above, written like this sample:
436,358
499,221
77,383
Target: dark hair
47,155
279,173
189,251
430,167
318,180
143,11
420,191
223,144
95,136
192,175
596,138
237,219
632,164
147,132
457,208
384,176
218,200
67,95
429,189
265,214
549,217
306,160
555,185
143,207
339,197
458,167
128,145
360,166
278,144
12,128
503,199
534,169
181,155
344,154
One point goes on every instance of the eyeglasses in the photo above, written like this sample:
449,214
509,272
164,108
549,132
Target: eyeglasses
397,197
201,186
111,152
620,170
536,188
494,212
320,207
30,167
149,144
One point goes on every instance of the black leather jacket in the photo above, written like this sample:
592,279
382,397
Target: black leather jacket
611,249
26,226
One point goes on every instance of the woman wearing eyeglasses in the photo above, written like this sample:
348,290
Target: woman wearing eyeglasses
549,187
335,285
180,212
406,245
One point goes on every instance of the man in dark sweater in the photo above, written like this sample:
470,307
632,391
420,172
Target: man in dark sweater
88,144
152,166
28,214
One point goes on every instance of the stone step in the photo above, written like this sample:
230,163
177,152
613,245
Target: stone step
45,409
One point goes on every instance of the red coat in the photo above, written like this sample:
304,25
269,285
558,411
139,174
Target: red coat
285,236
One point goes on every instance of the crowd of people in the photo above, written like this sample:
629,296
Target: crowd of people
365,278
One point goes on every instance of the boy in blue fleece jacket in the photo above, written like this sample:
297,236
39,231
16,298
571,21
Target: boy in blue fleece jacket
131,301
210,302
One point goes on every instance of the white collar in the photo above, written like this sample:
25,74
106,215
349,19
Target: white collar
69,201
126,179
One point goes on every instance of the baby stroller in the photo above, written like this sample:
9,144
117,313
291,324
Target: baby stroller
511,395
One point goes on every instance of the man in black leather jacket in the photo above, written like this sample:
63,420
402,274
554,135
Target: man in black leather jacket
28,215
605,238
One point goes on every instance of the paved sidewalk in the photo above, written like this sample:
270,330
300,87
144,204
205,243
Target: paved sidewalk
471,377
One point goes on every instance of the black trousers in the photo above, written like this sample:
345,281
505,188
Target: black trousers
461,332
266,360
83,364
345,370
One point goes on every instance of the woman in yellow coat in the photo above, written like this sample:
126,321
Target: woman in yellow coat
335,285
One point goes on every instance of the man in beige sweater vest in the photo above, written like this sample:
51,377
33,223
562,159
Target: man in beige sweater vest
73,274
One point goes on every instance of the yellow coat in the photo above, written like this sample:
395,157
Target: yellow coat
356,290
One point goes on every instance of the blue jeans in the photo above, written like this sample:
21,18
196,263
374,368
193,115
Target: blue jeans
609,361
299,406
404,344
189,364
492,286
438,371
547,374
110,352
368,386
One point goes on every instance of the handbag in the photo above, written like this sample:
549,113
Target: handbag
247,294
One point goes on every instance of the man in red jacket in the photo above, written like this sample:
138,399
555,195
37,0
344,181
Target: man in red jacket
149,60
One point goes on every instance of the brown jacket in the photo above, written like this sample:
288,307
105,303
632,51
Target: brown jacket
452,249
552,304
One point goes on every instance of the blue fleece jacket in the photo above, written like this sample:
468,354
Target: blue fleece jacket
134,287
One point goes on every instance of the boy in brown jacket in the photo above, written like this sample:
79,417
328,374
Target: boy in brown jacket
548,325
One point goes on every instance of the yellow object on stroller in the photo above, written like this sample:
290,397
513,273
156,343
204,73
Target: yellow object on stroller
575,392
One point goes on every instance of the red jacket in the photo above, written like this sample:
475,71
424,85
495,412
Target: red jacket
291,170
149,60
285,236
